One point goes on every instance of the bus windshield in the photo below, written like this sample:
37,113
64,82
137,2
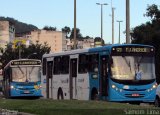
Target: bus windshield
26,74
133,67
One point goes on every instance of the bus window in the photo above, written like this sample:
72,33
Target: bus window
57,66
44,66
65,65
83,63
93,65
49,68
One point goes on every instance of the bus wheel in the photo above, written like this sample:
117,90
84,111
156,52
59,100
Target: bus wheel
157,102
60,94
94,94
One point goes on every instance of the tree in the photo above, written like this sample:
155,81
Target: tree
67,30
149,33
11,54
78,34
87,37
49,28
98,39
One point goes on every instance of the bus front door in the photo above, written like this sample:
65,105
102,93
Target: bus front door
103,75
73,80
49,79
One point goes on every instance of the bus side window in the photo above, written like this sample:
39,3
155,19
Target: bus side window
93,63
44,66
83,63
65,65
49,68
57,65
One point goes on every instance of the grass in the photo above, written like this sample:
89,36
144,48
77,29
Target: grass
72,107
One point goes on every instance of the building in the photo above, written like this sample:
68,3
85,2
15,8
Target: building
88,43
55,39
81,44
7,33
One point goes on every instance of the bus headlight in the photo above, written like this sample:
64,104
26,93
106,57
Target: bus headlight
116,88
154,86
113,86
12,87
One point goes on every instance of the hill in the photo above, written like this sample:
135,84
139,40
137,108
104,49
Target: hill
20,27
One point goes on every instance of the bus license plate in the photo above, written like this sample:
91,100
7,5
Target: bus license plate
26,91
135,95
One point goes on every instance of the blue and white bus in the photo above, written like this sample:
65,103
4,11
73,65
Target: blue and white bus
22,78
120,73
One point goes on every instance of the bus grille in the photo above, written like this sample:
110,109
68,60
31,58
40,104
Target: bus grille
29,92
26,88
135,89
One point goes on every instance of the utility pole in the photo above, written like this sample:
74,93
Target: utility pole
112,8
127,22
101,20
75,46
119,21
113,25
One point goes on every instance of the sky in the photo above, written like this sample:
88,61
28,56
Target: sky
60,13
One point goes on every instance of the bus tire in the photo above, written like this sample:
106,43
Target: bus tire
94,94
60,94
157,102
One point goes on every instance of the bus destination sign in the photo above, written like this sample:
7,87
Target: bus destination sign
132,50
26,62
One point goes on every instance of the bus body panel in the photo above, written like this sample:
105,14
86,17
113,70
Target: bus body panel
60,81
130,93
25,89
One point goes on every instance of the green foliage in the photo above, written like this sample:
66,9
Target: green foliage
11,54
67,30
98,39
78,34
49,28
20,26
149,33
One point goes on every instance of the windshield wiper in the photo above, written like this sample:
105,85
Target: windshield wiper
21,72
31,72
127,62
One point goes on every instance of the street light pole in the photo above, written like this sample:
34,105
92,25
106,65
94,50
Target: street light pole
127,22
113,25
101,19
112,8
119,21
75,24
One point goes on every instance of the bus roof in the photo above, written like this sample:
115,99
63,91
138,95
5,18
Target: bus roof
109,47
92,50
77,51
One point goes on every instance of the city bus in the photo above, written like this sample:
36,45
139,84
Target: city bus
118,73
21,78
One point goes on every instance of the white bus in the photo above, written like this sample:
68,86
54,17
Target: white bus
61,79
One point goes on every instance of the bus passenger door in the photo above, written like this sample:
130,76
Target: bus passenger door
104,75
73,78
49,79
